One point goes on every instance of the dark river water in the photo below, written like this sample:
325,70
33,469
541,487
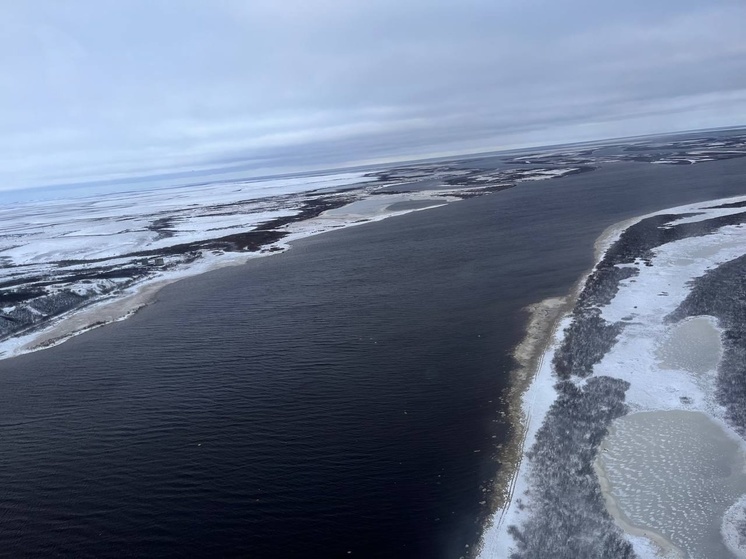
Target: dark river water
338,400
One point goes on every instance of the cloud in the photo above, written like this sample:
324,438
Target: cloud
110,89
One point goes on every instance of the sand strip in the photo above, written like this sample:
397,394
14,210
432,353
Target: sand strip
542,325
541,331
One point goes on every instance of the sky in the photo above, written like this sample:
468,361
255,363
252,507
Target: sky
110,89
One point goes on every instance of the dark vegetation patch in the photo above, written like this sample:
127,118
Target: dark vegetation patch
412,173
10,297
728,206
721,293
479,192
162,226
310,209
687,152
567,514
589,337
567,159
37,311
478,182
22,281
237,242
38,298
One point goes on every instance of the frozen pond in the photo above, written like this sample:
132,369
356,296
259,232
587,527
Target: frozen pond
378,205
674,473
692,345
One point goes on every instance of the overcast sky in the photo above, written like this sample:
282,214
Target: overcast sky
110,88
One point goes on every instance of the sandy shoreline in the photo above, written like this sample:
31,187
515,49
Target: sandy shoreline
108,310
545,319
120,306
125,304
96,315
542,326
533,355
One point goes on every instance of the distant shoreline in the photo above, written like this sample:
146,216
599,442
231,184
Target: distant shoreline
58,273
314,217
125,304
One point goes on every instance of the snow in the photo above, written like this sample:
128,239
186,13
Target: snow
496,542
52,240
541,174
643,302
732,520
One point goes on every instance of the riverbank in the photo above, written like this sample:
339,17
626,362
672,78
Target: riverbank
530,396
644,347
124,304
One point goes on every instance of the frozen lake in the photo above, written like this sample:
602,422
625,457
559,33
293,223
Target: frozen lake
674,473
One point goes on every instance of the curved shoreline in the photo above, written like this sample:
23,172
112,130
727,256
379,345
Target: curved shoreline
543,325
545,319
114,308
665,548
129,301
363,208
521,408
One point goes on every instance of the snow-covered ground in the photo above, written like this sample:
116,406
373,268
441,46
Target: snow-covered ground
104,227
497,543
106,250
642,356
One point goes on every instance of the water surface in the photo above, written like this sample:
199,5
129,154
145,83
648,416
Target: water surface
341,397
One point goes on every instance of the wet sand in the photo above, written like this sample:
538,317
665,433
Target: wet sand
544,321
96,315
609,236
542,325
119,307
702,338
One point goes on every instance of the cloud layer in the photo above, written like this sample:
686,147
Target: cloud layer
94,89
